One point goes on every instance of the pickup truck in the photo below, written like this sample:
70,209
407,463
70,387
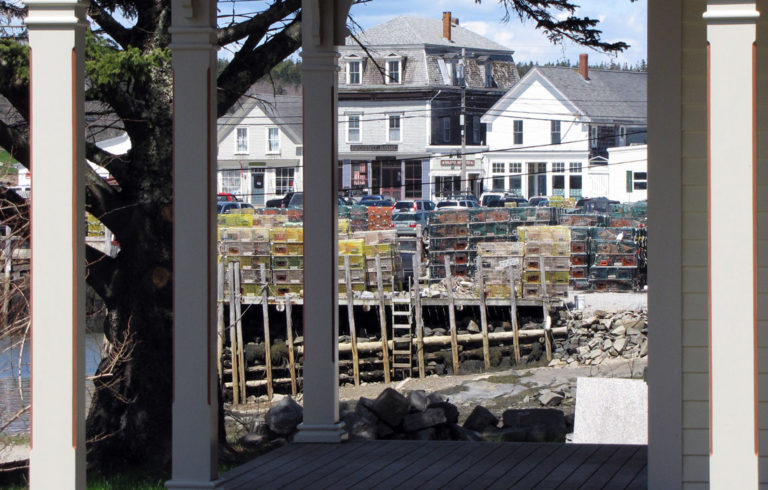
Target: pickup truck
280,202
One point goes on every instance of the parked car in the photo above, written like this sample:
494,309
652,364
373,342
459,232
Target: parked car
519,202
226,207
456,204
465,197
280,202
226,196
297,201
368,199
539,201
383,203
487,197
405,222
595,204
415,205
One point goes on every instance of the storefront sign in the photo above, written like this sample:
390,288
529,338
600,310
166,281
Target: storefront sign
456,163
372,147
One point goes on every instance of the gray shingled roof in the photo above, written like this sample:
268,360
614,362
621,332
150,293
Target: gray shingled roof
607,95
285,111
419,31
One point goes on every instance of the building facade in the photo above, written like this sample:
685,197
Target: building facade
260,147
550,134
405,87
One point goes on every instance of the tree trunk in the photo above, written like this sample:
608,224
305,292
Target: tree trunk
129,422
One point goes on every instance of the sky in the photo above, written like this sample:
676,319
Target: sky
620,20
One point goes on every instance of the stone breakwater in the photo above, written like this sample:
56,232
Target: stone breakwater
600,336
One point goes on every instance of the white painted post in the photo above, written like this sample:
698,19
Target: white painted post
195,405
57,40
734,449
323,28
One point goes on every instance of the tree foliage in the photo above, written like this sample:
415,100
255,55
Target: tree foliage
546,15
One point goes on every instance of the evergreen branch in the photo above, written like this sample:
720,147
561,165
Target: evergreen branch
581,30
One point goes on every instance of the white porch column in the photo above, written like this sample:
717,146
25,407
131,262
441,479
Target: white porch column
57,40
732,241
194,227
323,28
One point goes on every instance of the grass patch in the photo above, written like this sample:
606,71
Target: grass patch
14,439
453,390
125,481
508,379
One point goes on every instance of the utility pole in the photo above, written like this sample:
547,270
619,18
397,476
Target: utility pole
463,122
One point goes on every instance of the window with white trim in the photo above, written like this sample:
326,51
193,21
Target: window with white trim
393,71
497,167
575,185
516,184
353,128
555,130
354,69
393,128
637,181
273,140
446,124
515,167
517,126
558,167
283,180
575,167
241,140
230,181
593,137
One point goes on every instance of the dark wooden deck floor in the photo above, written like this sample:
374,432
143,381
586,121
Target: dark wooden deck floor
432,464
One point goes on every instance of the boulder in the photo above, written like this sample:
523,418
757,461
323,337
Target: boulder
417,401
541,424
284,416
434,398
480,418
383,430
549,398
619,344
359,428
512,434
450,411
473,327
390,406
252,439
421,420
459,433
428,434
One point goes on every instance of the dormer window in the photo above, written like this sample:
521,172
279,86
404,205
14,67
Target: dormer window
354,72
394,70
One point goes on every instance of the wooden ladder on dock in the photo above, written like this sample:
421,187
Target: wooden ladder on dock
402,336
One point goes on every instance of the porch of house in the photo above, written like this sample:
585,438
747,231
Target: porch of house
452,464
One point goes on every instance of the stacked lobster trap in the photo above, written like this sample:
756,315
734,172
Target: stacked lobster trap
546,261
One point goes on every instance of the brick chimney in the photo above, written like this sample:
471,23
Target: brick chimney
584,66
447,25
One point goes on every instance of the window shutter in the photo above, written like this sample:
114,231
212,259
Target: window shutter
629,181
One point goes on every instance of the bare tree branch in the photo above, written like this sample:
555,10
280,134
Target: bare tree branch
248,66
111,27
258,25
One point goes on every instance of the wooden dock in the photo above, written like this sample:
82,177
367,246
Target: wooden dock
438,465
